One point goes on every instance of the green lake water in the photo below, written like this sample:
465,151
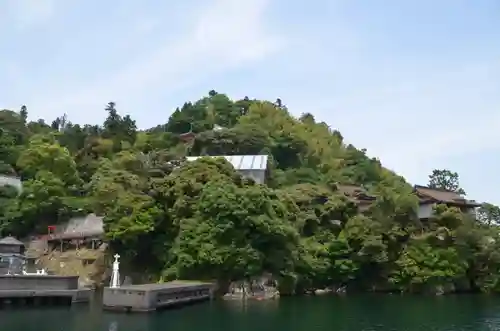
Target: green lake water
350,313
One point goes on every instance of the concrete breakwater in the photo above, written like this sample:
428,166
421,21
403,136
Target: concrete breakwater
151,297
41,290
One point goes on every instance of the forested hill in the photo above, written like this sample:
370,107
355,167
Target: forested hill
327,216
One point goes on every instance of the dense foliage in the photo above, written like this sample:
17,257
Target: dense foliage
202,220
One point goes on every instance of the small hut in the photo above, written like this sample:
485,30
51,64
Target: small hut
12,259
78,232
10,245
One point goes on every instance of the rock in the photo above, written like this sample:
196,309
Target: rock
322,291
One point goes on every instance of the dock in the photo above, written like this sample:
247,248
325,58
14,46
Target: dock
43,290
19,287
151,297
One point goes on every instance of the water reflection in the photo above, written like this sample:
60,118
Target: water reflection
84,320
113,326
363,313
253,305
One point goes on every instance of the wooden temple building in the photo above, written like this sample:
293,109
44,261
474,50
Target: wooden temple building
79,232
429,197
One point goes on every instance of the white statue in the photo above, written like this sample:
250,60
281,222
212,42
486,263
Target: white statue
115,276
41,272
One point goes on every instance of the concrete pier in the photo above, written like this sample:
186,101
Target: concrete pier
41,290
150,297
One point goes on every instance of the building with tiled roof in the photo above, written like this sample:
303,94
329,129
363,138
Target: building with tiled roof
89,226
429,197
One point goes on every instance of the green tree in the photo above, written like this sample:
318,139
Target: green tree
45,200
24,114
171,218
446,180
43,153
119,129
489,214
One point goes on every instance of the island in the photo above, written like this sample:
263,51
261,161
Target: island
232,191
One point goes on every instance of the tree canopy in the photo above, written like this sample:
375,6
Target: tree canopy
203,220
446,180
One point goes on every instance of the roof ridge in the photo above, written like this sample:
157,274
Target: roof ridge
436,189
10,240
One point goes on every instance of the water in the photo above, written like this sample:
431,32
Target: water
352,313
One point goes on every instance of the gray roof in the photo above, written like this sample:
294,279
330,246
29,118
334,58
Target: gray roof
242,162
10,241
90,224
87,226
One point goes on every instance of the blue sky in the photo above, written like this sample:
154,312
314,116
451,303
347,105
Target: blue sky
417,83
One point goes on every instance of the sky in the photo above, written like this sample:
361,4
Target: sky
415,82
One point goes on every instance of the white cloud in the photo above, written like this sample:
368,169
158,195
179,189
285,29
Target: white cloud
226,34
416,122
145,25
451,117
30,12
411,114
11,72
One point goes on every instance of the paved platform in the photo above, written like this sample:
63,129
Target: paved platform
151,297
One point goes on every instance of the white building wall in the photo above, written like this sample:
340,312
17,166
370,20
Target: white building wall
425,211
12,181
